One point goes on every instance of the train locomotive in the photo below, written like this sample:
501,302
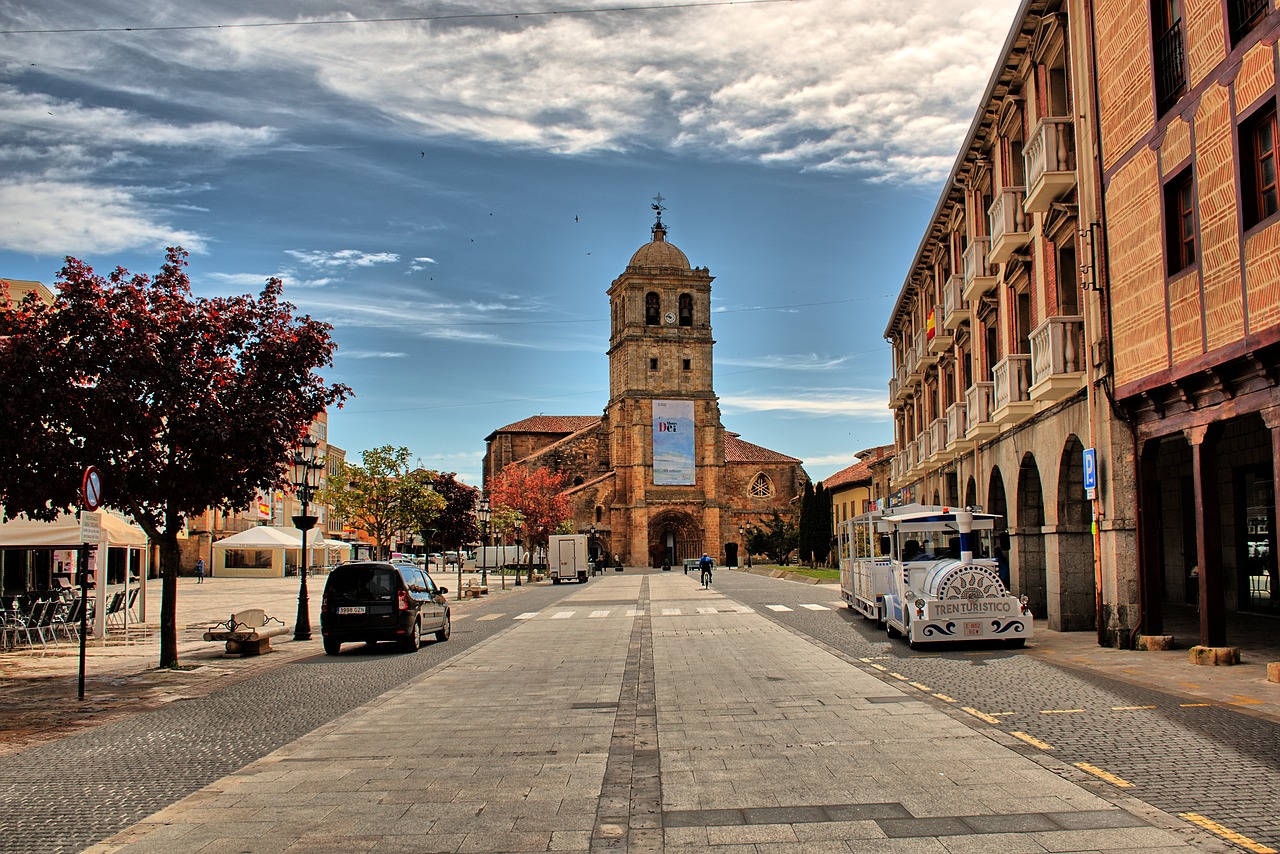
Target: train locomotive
931,574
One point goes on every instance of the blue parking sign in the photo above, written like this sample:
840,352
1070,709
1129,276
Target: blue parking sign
1090,468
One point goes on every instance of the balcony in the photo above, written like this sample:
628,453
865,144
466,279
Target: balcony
1008,225
926,356
941,341
1011,401
955,311
896,398
1050,158
978,275
1057,349
1171,67
958,427
979,401
926,461
941,448
911,363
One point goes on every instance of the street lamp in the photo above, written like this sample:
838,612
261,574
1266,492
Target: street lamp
591,541
516,531
306,480
742,537
483,512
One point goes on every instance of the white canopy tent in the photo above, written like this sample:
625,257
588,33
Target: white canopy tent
64,534
270,548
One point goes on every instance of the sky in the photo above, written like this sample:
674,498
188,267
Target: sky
454,186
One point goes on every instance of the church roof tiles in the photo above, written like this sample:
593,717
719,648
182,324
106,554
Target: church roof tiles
738,451
550,424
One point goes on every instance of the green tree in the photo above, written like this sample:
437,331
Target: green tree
824,528
806,540
184,404
536,496
777,539
372,496
420,504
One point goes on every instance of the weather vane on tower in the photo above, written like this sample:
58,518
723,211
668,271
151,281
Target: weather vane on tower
658,208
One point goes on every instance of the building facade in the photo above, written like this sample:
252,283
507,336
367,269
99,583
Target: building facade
1188,101
1000,355
657,478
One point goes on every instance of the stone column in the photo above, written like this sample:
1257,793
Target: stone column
1208,510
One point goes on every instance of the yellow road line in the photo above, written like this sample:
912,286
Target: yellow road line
1195,705
1242,700
1105,775
945,698
1229,835
1032,740
1061,711
1129,708
982,716
879,667
924,688
898,676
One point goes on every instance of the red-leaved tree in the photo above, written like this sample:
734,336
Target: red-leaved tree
535,495
182,403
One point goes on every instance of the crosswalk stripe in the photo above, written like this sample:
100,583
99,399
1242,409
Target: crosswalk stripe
562,615
816,607
489,617
670,612
777,607
527,615
635,612
599,613
743,609
708,611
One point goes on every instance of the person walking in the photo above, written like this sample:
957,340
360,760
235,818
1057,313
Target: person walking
704,564
200,571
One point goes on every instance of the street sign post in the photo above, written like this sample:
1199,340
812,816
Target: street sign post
90,536
1091,473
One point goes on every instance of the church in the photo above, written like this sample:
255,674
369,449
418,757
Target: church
657,478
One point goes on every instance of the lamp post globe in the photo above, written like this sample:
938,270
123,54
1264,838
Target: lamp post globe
483,512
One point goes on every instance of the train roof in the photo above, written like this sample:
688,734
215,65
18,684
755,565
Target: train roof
921,518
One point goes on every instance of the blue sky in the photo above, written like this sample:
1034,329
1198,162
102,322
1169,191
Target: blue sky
455,195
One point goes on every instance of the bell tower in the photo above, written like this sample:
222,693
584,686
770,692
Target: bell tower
667,442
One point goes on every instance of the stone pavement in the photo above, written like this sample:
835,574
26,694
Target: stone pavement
39,686
670,719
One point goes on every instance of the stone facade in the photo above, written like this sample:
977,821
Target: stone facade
660,349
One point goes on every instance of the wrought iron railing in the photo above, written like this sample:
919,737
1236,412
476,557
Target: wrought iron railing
1171,66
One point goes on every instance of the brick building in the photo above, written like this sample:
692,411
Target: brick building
657,476
1189,149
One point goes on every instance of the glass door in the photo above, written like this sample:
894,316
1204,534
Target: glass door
1259,585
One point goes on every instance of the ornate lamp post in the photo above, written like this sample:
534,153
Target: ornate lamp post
306,480
483,512
591,539
519,541
742,538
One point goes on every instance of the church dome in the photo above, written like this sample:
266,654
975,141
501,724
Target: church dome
658,252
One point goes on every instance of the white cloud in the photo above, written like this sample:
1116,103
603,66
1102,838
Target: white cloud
342,258
789,362
821,402
419,264
369,354
48,217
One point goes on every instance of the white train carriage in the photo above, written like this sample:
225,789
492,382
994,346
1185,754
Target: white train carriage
865,551
944,580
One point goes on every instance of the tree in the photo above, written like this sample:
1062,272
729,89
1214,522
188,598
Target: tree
184,404
824,527
536,496
455,525
807,530
420,504
372,496
776,539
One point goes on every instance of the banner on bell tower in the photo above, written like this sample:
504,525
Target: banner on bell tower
673,451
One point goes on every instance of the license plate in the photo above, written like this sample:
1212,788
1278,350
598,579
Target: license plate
351,609
973,630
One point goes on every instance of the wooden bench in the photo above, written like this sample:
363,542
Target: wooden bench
473,589
247,632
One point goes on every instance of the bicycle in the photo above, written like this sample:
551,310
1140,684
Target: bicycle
706,579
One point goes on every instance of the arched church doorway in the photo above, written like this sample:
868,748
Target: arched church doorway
673,537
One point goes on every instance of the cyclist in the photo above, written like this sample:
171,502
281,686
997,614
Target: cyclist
704,564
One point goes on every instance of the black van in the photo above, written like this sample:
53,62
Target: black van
371,601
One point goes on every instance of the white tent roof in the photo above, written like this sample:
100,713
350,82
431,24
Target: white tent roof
262,537
65,532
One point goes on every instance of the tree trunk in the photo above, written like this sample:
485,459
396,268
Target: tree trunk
170,557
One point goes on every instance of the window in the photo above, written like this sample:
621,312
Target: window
1258,166
1180,222
687,364
761,487
653,364
1243,16
651,307
686,310
1068,280
1171,71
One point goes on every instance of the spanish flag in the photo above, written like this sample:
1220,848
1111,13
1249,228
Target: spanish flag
929,327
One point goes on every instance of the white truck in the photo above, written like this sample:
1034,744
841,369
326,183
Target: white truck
567,558
930,576
496,557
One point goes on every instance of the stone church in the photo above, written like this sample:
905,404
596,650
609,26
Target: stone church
657,476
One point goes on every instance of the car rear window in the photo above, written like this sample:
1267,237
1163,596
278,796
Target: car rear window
362,582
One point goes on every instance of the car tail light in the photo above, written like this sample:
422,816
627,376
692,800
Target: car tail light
324,602
402,600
